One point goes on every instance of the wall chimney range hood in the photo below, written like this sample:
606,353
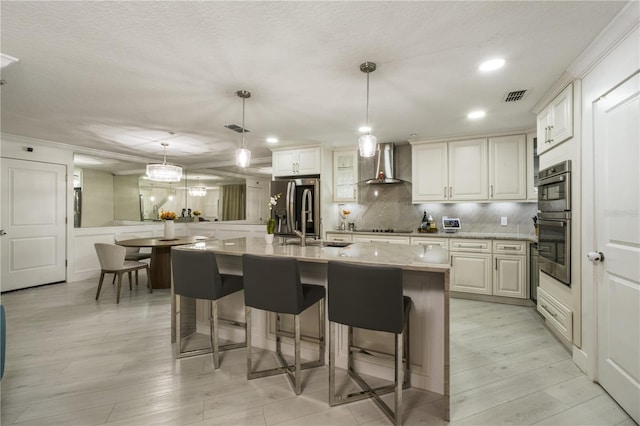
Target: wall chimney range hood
384,166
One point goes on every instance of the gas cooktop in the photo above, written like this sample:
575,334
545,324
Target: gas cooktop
385,230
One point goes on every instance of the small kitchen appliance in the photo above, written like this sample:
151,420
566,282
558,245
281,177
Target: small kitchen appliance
451,224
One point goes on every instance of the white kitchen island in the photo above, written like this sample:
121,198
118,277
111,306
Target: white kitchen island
426,281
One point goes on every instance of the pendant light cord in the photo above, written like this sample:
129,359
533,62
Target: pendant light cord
243,99
367,98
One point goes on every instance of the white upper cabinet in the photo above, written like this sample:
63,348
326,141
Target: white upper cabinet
507,168
292,162
470,170
345,176
555,122
468,177
429,167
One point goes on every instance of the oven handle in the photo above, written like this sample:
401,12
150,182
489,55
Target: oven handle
551,179
556,223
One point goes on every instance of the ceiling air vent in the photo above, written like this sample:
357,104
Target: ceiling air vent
514,96
236,128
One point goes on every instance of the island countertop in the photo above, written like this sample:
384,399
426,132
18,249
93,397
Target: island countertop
408,257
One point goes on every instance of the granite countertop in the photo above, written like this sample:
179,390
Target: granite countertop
408,257
475,235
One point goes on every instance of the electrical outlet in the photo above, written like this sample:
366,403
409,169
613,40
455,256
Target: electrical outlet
503,221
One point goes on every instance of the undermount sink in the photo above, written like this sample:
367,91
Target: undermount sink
319,243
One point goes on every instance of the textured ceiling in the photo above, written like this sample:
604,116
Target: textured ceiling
118,76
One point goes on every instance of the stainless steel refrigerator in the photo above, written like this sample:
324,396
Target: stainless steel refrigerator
297,196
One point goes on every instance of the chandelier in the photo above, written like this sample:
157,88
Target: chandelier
197,191
164,172
367,143
243,155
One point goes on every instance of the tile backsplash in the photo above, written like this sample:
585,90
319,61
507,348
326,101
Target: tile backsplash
390,207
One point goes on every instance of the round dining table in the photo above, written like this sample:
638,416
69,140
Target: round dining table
161,255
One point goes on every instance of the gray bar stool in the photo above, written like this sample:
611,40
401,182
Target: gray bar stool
196,275
273,284
369,297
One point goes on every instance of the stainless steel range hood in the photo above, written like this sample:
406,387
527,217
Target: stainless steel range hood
385,173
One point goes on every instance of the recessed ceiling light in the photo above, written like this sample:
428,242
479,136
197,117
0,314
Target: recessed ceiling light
474,115
491,65
272,140
364,129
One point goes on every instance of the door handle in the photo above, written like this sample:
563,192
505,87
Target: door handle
2,232
595,256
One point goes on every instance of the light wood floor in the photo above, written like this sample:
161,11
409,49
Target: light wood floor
74,361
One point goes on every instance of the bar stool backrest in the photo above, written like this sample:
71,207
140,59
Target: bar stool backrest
196,274
366,296
272,284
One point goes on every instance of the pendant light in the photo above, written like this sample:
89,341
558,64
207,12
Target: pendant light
243,155
164,172
367,143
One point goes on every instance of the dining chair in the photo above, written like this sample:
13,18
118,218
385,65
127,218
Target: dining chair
133,253
112,261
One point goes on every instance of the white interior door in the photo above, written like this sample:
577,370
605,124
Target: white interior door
33,215
617,236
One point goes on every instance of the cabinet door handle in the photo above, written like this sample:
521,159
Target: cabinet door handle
510,247
445,192
550,134
450,191
491,191
496,267
546,134
463,245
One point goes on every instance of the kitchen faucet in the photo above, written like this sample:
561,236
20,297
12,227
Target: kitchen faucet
307,216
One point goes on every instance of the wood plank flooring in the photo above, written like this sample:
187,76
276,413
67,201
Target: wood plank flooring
74,361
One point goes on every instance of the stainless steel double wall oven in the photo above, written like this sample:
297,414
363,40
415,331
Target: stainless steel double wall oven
554,221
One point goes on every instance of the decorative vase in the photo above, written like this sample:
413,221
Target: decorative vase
169,230
268,238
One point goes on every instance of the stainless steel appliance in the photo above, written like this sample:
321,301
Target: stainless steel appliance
533,271
554,188
298,198
554,221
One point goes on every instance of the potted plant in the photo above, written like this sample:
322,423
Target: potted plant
271,221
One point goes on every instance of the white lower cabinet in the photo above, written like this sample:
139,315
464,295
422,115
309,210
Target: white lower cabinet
509,276
497,267
471,272
558,315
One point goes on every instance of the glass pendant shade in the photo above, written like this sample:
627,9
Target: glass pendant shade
197,191
164,172
367,145
243,157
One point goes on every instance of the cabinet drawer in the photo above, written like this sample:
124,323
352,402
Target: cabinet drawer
339,237
557,314
510,247
470,245
388,239
442,242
